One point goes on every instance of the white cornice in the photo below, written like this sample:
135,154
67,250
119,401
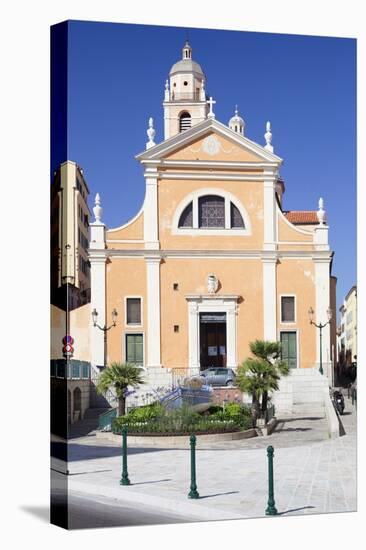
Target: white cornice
215,176
315,255
222,164
198,130
213,297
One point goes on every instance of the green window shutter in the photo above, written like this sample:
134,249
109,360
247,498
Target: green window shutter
134,348
289,349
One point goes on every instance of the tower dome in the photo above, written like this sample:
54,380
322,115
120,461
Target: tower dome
236,123
186,64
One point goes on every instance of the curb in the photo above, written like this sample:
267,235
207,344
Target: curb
177,507
177,442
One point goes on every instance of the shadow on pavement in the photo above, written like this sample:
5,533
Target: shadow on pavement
40,512
293,430
147,482
294,510
219,494
76,451
298,418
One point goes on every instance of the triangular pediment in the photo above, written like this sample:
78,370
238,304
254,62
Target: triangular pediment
207,141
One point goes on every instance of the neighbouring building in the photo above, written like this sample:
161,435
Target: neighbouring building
347,329
70,295
213,260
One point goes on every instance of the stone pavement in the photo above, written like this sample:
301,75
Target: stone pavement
313,474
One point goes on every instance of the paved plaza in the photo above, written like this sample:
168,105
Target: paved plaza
312,473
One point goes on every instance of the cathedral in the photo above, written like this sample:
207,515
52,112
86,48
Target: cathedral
213,260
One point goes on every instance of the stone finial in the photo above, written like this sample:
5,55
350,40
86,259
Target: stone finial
97,209
166,97
150,134
321,212
268,137
202,91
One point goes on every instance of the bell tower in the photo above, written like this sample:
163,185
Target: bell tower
185,97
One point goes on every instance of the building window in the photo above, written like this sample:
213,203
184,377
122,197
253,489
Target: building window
186,218
211,211
184,121
288,309
289,348
236,219
135,349
133,307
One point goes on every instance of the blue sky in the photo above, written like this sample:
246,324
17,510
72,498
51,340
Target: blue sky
306,87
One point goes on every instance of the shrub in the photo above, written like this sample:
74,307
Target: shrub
146,412
154,419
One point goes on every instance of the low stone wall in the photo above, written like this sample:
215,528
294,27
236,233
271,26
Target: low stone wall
331,416
177,441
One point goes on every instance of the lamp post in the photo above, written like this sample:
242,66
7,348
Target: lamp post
320,326
104,329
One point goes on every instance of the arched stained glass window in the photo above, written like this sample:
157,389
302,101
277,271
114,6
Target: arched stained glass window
211,211
236,218
186,218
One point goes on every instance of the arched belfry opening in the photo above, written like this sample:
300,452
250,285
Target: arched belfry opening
185,121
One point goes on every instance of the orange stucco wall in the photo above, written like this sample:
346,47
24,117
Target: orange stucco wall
288,232
134,230
229,151
125,277
236,277
296,277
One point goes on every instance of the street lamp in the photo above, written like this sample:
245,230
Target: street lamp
104,329
320,326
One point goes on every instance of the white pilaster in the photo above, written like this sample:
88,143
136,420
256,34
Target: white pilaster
321,237
322,297
98,291
269,299
151,210
231,357
153,311
269,212
193,337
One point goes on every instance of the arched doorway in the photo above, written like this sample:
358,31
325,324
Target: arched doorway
77,404
69,419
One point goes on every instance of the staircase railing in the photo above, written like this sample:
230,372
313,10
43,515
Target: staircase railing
105,420
109,395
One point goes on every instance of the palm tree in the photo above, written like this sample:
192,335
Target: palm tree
260,375
120,376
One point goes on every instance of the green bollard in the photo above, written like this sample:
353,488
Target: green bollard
193,493
271,508
124,479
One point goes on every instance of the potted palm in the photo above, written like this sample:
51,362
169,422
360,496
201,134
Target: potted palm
259,375
119,376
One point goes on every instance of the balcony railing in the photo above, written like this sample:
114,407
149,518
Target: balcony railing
185,96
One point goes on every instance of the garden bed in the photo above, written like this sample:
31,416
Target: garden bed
177,441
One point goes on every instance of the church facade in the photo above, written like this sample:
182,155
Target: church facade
212,261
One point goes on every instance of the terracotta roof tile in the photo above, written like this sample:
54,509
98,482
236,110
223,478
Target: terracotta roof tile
302,216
